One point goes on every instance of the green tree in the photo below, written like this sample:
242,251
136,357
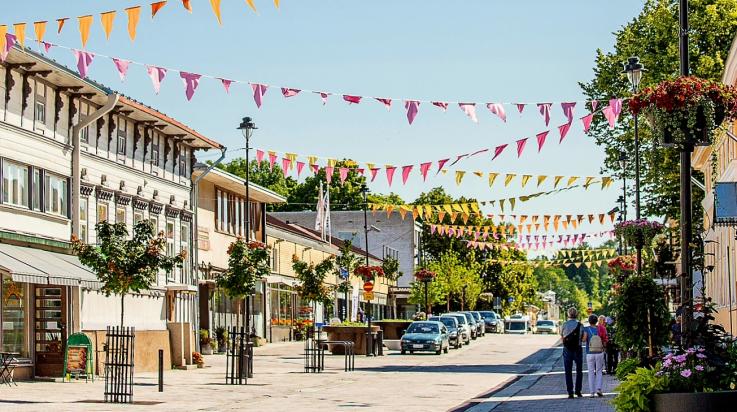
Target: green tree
125,264
312,277
390,265
247,263
343,195
567,293
436,294
653,36
510,280
262,175
457,278
392,198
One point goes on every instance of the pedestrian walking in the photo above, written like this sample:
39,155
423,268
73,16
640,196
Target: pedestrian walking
594,355
571,333
601,328
612,352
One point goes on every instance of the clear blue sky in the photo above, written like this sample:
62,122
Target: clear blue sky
481,51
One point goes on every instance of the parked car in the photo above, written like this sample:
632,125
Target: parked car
454,336
492,321
479,322
517,324
425,336
547,326
471,324
463,326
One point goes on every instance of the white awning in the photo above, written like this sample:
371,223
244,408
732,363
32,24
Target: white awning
43,267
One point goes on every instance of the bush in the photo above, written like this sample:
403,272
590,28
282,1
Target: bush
636,390
638,298
626,368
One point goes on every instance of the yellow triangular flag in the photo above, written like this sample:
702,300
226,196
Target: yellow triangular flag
571,181
40,28
250,4
459,176
475,207
311,160
589,179
457,207
3,32
557,180
540,180
134,14
428,211
20,33
478,173
465,209
606,182
107,20
492,178
216,9
276,3
501,204
85,23
525,178
509,178
512,202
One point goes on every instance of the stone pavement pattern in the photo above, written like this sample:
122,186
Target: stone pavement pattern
423,382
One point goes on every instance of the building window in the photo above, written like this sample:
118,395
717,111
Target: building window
120,215
122,135
83,205
36,195
138,218
56,192
102,212
155,152
85,133
169,238
13,317
183,162
155,220
184,246
39,115
15,184
230,216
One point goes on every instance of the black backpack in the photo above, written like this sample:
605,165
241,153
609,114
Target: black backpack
572,341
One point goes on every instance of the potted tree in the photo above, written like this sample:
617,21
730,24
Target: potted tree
312,288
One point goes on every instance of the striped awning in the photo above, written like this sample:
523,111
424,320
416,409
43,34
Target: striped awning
38,266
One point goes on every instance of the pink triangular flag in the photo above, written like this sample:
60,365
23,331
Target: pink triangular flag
563,129
498,150
405,173
587,122
329,170
259,90
616,105
352,99
343,172
424,168
287,92
442,105
84,60
413,107
568,108
226,84
122,67
10,41
374,171
497,109
594,105
470,110
520,107
157,75
315,168
285,165
541,140
300,166
360,171
259,156
47,46
545,111
386,102
272,160
191,81
324,97
390,174
442,163
432,229
521,146
612,111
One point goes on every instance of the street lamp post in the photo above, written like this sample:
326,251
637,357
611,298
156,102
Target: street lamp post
364,190
426,281
623,165
247,127
634,69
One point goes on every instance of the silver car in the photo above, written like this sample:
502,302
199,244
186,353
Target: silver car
463,326
547,326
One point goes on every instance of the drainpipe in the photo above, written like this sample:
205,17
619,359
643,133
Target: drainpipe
194,201
112,100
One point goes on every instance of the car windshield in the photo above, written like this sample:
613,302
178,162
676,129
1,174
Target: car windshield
476,315
544,323
469,317
488,315
423,328
449,322
461,319
516,326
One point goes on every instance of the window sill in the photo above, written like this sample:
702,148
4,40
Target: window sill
34,213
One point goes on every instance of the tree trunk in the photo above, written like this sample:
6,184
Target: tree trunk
122,309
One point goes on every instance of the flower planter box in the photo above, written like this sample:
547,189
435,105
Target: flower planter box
355,334
697,401
393,329
206,349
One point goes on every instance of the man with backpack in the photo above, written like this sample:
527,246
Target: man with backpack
594,355
571,333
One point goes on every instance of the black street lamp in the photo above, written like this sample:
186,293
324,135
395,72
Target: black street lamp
634,70
364,190
247,127
427,281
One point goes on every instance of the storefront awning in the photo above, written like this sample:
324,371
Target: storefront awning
43,267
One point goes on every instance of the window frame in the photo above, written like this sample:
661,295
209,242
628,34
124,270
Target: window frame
84,210
106,206
63,199
26,200
39,100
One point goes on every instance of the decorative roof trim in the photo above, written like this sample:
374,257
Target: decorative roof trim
122,198
104,194
140,203
155,208
172,212
86,190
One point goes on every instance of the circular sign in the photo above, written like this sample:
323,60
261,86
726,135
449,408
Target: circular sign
368,286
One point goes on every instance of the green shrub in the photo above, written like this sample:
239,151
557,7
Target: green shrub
627,367
636,390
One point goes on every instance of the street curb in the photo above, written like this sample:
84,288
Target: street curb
512,386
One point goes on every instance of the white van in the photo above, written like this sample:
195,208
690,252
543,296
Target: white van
517,324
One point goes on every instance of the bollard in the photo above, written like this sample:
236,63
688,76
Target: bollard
161,370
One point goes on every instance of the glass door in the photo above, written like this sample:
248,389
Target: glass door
50,329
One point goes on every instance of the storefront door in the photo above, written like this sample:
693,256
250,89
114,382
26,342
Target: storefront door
50,329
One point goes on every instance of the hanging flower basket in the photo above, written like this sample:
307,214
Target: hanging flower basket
684,112
638,232
368,273
622,267
424,275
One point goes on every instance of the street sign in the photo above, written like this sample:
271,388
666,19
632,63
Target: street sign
510,300
368,286
368,296
497,302
344,273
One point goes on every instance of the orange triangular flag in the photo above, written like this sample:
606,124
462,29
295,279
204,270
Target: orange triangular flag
216,9
107,20
565,225
574,223
187,6
611,217
453,217
591,219
250,4
3,37
601,218
40,28
402,212
60,22
85,23
155,7
276,3
134,14
537,227
579,218
529,228
20,33
441,215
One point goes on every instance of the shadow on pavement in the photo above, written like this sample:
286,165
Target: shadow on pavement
488,368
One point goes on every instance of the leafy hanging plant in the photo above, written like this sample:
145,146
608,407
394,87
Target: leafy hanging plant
369,273
312,278
424,275
248,262
390,266
638,232
622,267
684,111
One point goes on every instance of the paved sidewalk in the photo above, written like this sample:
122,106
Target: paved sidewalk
544,388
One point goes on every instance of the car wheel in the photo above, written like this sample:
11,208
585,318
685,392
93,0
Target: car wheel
446,349
458,345
404,352
411,352
437,352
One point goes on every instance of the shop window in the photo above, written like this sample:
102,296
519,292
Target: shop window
15,184
56,192
13,314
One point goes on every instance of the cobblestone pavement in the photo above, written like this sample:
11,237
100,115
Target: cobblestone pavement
543,389
420,382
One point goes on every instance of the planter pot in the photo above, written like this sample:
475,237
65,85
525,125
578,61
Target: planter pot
393,329
699,135
698,401
355,334
206,349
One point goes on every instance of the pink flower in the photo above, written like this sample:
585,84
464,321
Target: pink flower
701,356
680,358
699,368
667,363
686,373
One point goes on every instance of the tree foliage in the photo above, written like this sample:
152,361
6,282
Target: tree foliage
640,308
390,265
312,277
455,278
247,263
